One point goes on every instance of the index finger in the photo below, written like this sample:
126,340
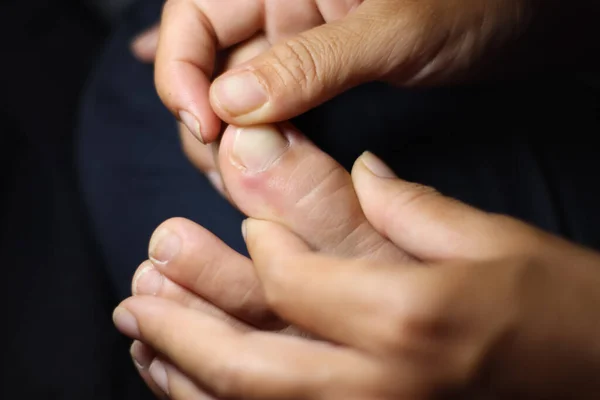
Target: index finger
192,31
352,302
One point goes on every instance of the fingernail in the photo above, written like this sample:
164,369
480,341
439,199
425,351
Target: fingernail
148,281
376,166
214,178
257,148
244,229
164,246
192,124
125,322
240,93
158,373
141,354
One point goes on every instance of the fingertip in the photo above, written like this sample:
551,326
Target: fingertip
376,166
143,305
370,174
192,124
358,167
140,271
251,229
239,97
141,354
183,89
125,321
269,241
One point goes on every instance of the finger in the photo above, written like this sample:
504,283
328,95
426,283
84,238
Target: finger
256,365
175,384
144,45
287,18
342,300
422,221
434,323
148,281
305,70
283,177
245,51
194,258
202,156
142,356
190,35
199,154
165,380
334,10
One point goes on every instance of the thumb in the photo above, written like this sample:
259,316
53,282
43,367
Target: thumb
428,225
304,71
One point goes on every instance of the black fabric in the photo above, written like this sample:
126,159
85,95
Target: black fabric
132,170
58,337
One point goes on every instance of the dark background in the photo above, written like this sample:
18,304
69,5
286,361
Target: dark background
58,340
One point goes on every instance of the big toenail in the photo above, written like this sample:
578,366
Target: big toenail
257,148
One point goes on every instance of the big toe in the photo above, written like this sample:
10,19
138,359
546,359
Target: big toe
275,173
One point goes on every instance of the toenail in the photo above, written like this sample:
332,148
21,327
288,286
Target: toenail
148,281
256,149
164,246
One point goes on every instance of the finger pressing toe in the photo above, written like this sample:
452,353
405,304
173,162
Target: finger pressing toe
276,174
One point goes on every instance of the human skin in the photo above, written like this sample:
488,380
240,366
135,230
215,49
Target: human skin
489,295
320,48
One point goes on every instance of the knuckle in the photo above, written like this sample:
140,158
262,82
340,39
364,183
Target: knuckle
406,198
274,287
298,63
420,321
412,334
416,193
292,69
229,379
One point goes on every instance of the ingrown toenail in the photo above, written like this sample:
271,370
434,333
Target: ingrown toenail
255,149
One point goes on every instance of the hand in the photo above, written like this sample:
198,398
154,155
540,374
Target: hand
294,184
201,155
297,185
319,49
501,310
